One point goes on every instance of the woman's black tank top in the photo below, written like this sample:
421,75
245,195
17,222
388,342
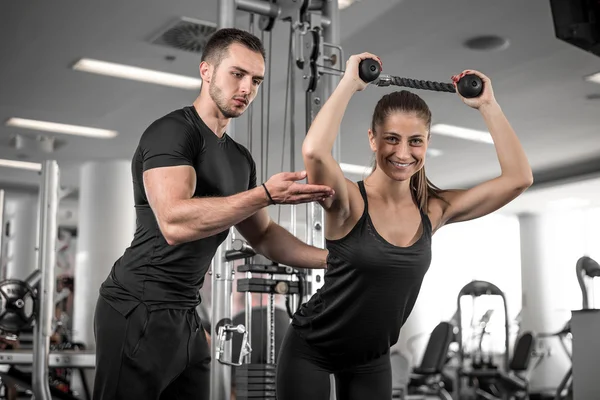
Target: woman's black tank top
370,288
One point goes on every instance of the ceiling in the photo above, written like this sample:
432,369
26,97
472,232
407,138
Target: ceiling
537,79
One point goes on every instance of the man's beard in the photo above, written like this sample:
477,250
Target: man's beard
216,94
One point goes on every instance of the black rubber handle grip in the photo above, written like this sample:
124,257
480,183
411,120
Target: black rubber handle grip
369,70
469,86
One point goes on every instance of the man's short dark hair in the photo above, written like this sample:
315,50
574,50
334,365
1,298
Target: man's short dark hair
217,46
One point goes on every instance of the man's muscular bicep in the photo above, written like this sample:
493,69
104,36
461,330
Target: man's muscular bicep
165,187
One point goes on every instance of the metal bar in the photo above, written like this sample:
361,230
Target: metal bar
332,73
243,247
292,81
506,336
269,9
2,236
47,259
461,350
33,279
232,255
248,316
222,284
331,35
66,359
222,273
226,10
259,7
315,5
315,215
240,250
251,107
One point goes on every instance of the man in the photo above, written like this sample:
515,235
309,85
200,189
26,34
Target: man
192,182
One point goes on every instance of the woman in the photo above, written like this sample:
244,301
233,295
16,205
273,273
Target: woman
378,233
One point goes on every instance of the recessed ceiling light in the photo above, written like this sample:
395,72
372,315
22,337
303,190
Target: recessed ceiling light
593,78
21,165
487,43
137,74
462,133
60,128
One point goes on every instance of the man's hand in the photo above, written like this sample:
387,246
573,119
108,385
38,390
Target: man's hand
284,189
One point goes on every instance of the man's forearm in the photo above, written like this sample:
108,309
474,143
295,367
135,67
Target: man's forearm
280,246
198,218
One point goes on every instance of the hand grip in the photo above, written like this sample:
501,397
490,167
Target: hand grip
369,70
468,86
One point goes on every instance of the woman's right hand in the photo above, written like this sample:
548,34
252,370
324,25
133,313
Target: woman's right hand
351,73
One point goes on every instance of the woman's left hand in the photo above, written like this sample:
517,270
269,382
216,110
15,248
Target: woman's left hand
486,97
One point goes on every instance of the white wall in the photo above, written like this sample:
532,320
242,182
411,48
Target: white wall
483,249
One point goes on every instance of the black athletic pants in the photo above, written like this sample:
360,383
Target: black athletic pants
155,355
303,374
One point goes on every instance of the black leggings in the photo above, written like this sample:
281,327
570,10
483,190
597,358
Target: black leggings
303,373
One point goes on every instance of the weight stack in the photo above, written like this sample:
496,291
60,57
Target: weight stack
255,381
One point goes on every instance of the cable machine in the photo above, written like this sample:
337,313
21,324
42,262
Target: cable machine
314,33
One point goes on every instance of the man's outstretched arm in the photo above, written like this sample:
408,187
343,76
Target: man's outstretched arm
182,218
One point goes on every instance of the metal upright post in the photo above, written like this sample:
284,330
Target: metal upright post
226,12
325,85
2,236
331,35
222,271
222,286
47,259
315,215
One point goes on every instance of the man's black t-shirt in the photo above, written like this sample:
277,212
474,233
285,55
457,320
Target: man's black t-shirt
151,271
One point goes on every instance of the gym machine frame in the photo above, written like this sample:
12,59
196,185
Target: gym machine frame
43,277
476,289
315,27
2,235
585,268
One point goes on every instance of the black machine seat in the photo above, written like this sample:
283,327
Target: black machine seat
522,355
436,352
428,378
510,382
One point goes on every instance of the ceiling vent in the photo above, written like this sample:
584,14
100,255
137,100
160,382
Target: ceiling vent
186,34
